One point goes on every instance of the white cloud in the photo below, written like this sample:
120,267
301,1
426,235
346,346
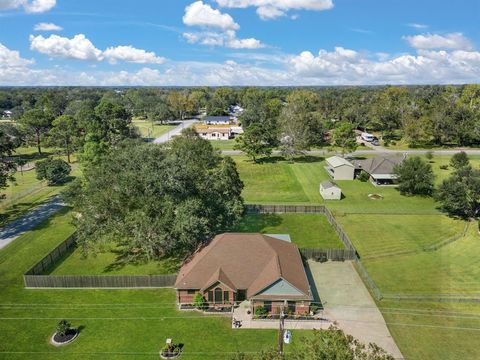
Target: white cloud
47,27
32,6
454,41
270,9
132,55
200,14
226,39
11,58
78,47
81,48
418,26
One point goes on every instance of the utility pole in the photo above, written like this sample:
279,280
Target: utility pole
281,331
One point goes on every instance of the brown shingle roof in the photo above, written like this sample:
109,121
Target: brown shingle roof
380,164
245,261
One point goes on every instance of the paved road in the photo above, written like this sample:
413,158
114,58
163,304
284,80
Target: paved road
372,152
30,220
176,131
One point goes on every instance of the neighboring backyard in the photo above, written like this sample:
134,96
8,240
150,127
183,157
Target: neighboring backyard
149,130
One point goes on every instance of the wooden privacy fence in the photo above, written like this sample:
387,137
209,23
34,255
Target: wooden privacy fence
99,281
329,254
35,278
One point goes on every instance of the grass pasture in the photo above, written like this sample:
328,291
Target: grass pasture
147,130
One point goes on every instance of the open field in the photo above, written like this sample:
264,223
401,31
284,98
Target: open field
223,144
115,323
306,230
147,130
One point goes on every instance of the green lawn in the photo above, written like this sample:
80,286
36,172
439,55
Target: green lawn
223,144
306,230
109,262
116,324
147,130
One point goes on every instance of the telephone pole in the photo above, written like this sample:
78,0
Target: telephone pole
281,331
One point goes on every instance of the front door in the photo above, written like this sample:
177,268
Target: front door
241,295
218,296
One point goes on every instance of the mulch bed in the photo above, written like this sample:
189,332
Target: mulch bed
58,339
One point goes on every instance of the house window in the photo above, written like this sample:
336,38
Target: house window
218,295
226,296
210,296
267,305
191,292
291,306
241,295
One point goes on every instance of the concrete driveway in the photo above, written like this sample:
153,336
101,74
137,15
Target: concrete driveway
174,132
30,220
348,302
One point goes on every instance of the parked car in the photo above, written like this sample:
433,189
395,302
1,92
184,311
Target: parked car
376,142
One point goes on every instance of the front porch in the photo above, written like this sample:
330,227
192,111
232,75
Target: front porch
243,318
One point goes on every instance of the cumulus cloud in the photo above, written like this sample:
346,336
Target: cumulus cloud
200,14
47,27
81,48
417,26
132,55
30,6
221,28
11,58
271,9
226,39
343,66
78,47
454,41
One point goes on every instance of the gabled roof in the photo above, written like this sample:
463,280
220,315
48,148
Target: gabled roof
336,161
380,165
249,262
329,185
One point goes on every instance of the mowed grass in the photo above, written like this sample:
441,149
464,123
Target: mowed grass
148,130
305,230
451,270
223,144
377,235
115,324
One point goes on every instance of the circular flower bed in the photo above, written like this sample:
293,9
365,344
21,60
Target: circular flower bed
59,340
171,351
375,196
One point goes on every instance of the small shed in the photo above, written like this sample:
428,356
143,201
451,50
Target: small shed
330,191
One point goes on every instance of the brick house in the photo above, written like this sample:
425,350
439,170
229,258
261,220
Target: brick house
235,267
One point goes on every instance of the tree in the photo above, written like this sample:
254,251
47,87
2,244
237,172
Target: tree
39,122
459,195
415,177
254,142
199,301
178,103
157,200
8,143
65,134
344,138
300,123
459,160
55,171
220,102
63,327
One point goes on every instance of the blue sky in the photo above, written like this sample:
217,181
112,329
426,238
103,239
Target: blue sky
239,42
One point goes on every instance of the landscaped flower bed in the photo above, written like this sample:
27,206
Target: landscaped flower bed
64,334
171,351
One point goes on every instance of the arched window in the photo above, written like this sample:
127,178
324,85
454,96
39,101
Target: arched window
218,295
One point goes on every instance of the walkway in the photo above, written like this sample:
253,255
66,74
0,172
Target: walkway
30,220
174,132
348,302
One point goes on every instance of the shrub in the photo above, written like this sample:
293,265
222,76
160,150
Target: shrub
314,308
429,155
322,258
199,302
363,176
444,167
261,311
63,327
55,171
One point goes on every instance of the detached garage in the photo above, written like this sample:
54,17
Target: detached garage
339,168
330,191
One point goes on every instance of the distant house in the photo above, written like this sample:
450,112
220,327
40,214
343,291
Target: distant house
330,191
380,168
217,120
7,114
265,271
339,168
214,133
